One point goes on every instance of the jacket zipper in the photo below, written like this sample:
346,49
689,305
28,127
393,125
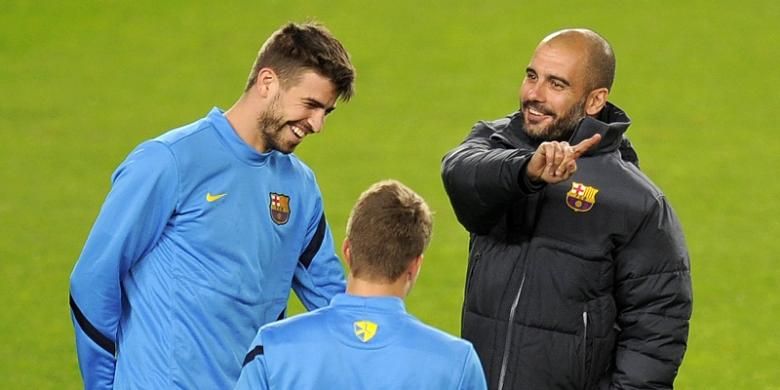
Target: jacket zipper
585,349
508,340
469,277
513,309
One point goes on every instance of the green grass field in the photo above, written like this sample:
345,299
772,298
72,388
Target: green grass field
83,82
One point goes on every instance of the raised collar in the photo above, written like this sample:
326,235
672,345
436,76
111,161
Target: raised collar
240,149
611,123
379,303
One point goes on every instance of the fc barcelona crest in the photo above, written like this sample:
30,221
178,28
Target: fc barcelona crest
580,197
280,208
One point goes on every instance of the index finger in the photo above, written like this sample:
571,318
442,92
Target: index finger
583,146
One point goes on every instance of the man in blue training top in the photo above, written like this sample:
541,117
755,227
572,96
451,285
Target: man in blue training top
365,339
207,228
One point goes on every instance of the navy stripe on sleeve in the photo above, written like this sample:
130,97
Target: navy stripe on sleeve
314,245
258,350
281,315
90,330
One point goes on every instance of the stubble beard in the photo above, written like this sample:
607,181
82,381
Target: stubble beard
271,127
562,126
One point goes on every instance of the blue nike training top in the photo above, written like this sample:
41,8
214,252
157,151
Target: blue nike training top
359,343
196,246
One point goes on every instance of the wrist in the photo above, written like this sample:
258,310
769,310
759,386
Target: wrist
528,182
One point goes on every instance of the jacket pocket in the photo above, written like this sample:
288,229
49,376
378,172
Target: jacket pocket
599,339
491,267
587,349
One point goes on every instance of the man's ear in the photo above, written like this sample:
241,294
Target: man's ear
345,249
414,267
267,82
596,100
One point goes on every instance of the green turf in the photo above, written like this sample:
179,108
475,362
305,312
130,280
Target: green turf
83,82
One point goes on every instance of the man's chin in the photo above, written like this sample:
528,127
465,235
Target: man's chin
286,149
547,133
284,146
536,131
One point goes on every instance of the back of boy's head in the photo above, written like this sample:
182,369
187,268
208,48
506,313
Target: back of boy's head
389,226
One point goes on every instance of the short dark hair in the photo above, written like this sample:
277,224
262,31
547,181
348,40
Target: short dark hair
389,226
295,48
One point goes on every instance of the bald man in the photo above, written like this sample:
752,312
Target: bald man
578,272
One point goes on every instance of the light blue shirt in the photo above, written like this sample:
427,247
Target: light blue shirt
197,245
359,343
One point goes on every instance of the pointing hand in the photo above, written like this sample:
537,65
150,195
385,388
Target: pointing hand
554,161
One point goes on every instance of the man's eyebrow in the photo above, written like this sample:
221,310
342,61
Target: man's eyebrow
561,80
552,77
318,104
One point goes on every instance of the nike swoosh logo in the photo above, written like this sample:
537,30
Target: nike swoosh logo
213,198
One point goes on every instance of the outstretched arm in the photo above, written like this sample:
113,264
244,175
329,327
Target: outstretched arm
482,176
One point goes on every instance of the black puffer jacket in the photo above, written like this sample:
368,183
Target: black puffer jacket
578,285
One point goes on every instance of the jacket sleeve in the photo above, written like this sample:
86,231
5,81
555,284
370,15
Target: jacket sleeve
131,220
473,375
654,301
253,374
319,274
482,176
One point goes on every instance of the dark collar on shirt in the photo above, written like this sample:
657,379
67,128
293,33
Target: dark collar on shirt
611,123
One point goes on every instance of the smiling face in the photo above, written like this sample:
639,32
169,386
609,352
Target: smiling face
296,111
553,94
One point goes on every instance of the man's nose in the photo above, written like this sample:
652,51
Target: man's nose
535,92
317,120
